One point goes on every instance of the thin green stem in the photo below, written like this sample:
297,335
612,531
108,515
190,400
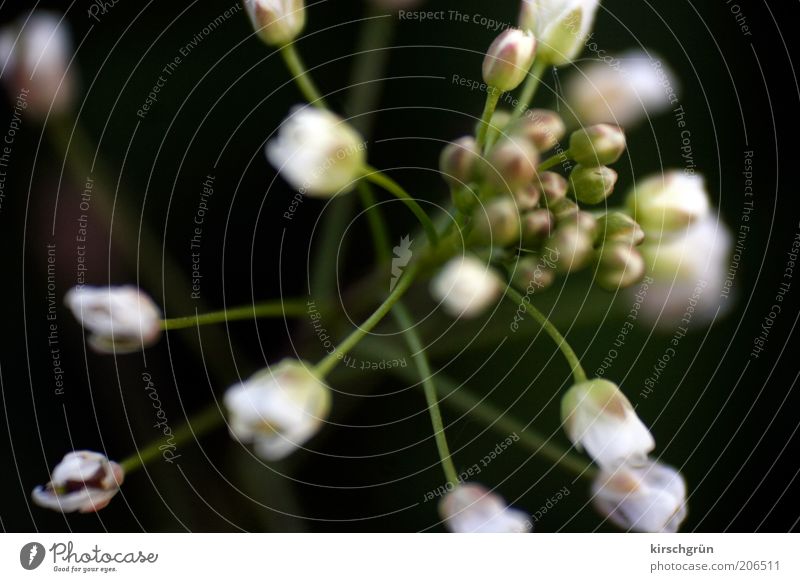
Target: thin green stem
569,354
205,421
380,179
553,161
293,308
301,77
530,88
329,362
376,226
492,99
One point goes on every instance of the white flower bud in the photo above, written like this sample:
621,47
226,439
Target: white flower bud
278,409
508,59
561,26
466,287
83,481
599,418
471,508
120,320
635,87
36,54
668,202
277,22
317,152
649,499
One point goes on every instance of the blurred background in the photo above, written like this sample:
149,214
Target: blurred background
728,420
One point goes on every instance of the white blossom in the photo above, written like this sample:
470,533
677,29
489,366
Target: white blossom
471,508
466,287
669,201
560,26
277,22
83,481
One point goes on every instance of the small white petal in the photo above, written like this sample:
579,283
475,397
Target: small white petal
471,508
466,287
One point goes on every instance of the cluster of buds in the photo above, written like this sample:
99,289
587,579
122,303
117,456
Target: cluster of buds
471,508
83,481
631,490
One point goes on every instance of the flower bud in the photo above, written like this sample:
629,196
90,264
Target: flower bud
120,320
599,145
619,265
527,197
565,209
277,22
599,418
278,409
466,287
512,164
582,219
498,223
537,225
648,499
574,246
592,185
471,508
554,187
618,227
669,202
508,59
561,26
459,161
36,54
317,152
542,127
536,272
83,481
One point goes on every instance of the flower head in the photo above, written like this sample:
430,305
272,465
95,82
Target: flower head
83,481
600,419
317,152
120,319
471,508
278,409
560,26
466,287
277,22
650,498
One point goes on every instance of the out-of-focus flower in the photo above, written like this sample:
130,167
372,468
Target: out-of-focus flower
277,22
668,202
650,498
621,90
279,409
471,508
317,152
459,161
497,223
508,59
599,418
34,57
83,481
466,287
560,26
120,320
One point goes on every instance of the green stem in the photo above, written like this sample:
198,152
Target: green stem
270,309
486,118
207,420
378,230
569,354
380,179
530,88
329,362
301,77
553,161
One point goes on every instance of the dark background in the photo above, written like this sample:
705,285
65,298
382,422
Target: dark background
731,425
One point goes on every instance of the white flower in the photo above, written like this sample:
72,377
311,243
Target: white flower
669,201
277,22
650,498
599,418
317,152
34,58
621,90
508,59
83,481
120,320
278,409
560,26
471,508
466,287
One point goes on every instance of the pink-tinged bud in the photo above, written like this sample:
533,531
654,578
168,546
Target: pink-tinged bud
466,287
512,164
471,508
554,187
459,161
537,225
527,197
277,22
542,127
497,223
509,59
83,481
619,265
598,145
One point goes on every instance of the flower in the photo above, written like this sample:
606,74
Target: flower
622,91
278,409
466,287
560,26
317,152
599,418
277,22
669,201
120,320
36,53
83,481
650,498
508,59
471,508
